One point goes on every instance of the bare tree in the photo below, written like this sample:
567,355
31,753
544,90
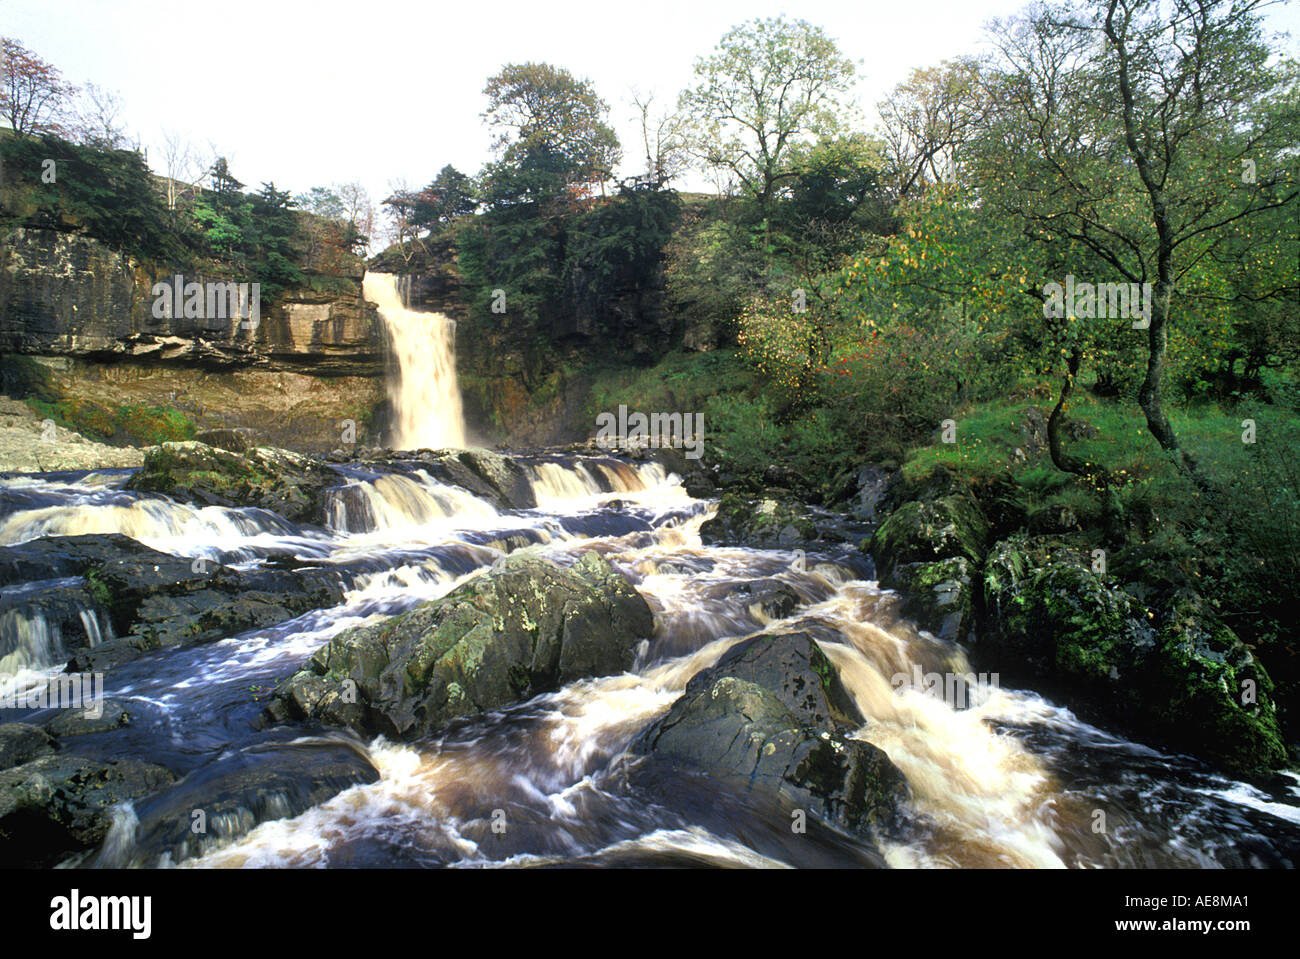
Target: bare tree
98,123
182,167
358,209
663,137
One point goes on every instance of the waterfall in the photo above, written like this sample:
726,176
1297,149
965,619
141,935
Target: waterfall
422,390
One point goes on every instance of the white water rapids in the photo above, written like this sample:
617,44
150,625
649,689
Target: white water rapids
1014,780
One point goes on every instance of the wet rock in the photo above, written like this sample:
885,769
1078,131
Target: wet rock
42,622
922,531
235,794
760,523
286,483
507,478
873,483
769,599
107,714
153,599
1179,676
524,627
57,805
938,596
771,717
21,743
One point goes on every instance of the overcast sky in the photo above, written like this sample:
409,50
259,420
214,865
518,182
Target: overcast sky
314,92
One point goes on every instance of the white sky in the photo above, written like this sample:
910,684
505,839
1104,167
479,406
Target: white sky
313,92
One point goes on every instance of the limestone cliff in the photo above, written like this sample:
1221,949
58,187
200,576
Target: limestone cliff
310,366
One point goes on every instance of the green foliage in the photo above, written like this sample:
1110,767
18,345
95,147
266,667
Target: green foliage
133,425
107,193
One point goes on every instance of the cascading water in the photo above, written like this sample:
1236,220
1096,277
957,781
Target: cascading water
1012,780
422,388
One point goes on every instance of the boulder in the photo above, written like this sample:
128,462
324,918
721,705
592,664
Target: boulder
922,531
771,717
525,627
234,794
760,523
938,595
769,599
1178,676
21,743
286,483
57,805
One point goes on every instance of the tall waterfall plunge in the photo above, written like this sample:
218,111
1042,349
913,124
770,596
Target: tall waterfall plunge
423,391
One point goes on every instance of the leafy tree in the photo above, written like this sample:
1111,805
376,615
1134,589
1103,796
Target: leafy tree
34,97
927,120
321,201
769,84
550,123
451,194
275,241
1130,120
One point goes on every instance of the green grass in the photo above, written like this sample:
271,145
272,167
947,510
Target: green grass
680,382
134,424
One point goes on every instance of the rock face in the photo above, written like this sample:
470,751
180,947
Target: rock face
59,804
153,599
1180,675
771,717
67,295
286,483
525,627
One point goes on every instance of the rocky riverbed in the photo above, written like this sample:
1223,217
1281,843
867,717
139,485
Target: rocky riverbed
459,657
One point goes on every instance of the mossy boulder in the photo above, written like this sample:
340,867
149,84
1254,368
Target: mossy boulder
525,627
286,483
1211,688
922,531
770,718
938,595
1179,676
762,523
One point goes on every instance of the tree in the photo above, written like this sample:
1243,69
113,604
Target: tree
926,121
1140,116
97,120
402,229
224,185
553,126
183,170
321,201
663,137
33,95
359,210
451,194
769,84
